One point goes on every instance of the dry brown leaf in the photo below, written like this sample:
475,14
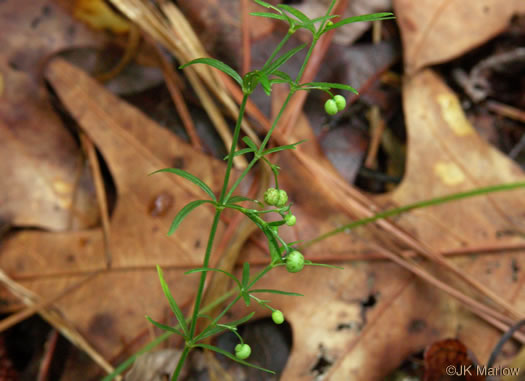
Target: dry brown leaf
408,314
132,146
42,174
437,31
363,320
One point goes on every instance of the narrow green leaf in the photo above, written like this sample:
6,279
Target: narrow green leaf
282,60
203,269
272,243
245,274
214,330
250,143
322,18
296,12
269,15
188,176
330,85
282,148
235,199
246,298
164,327
265,83
204,316
239,152
209,331
369,17
173,304
217,65
240,321
283,75
266,5
276,292
231,356
310,263
278,80
184,212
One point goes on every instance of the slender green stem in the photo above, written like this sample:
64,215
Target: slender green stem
226,309
274,124
153,343
235,138
332,4
316,37
260,275
260,150
305,62
207,255
416,205
180,364
277,49
240,178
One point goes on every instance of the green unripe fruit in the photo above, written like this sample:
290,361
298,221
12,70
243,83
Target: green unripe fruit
277,317
340,102
329,23
330,107
271,196
283,199
242,351
290,219
294,262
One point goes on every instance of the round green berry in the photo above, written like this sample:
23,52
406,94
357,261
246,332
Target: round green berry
330,107
271,196
277,317
340,102
283,199
294,262
329,23
290,219
242,351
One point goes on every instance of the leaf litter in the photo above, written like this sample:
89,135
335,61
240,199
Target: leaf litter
356,336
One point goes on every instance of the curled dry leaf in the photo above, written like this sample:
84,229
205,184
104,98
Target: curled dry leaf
437,31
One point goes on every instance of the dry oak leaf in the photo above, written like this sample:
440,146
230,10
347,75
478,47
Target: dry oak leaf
373,314
43,179
365,320
109,310
437,31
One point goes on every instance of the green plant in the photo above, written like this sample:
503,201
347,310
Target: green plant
364,221
281,252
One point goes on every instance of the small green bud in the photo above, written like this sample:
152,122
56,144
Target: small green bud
331,107
277,317
271,196
294,262
283,199
290,219
329,23
242,351
340,102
